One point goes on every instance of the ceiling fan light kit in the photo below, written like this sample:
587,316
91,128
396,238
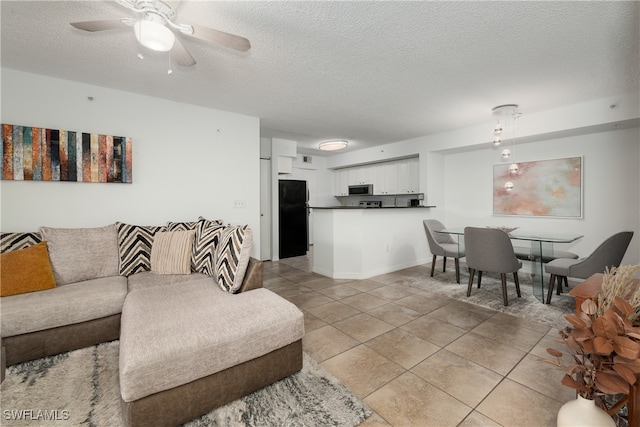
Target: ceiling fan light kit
154,35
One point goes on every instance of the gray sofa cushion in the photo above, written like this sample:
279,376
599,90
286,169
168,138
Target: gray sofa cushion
224,330
79,254
65,305
147,280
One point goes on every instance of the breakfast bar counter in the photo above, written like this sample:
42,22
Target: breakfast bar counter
358,243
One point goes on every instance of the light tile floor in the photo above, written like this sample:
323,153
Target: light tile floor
419,359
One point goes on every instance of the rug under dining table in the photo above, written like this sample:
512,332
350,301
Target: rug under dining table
490,294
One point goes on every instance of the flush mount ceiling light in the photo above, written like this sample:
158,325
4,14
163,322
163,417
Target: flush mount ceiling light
154,35
334,145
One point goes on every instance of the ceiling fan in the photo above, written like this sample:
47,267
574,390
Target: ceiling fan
154,30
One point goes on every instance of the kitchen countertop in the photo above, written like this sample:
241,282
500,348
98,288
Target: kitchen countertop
364,207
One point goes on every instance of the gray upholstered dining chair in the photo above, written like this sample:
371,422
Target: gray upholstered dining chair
608,254
441,244
490,249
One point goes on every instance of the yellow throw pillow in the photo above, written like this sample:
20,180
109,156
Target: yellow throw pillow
26,270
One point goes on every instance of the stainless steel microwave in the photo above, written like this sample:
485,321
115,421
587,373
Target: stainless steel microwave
361,190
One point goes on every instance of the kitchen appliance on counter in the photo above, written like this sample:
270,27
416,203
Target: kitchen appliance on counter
416,201
370,204
361,190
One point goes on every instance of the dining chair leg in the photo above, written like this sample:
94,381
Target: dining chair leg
444,264
457,262
472,273
516,279
433,265
566,282
503,279
552,281
479,278
559,279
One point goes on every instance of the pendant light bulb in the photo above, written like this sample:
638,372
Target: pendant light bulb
506,153
514,168
508,185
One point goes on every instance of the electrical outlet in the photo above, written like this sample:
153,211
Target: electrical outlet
239,204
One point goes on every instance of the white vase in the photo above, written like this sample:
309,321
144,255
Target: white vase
584,413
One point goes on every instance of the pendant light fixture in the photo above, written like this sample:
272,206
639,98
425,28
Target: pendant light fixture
504,133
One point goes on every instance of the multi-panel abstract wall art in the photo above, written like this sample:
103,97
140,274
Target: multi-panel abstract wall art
39,154
545,188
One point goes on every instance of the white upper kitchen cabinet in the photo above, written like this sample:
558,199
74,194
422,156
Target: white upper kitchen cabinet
409,176
388,178
341,181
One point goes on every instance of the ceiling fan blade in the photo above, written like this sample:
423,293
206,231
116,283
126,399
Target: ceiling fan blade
180,55
100,25
219,37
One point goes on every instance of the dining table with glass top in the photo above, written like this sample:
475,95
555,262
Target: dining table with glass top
540,250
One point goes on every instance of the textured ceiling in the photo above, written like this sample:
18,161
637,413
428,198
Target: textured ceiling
370,72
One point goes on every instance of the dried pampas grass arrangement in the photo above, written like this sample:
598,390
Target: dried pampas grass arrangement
617,283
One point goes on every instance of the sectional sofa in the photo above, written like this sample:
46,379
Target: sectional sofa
185,299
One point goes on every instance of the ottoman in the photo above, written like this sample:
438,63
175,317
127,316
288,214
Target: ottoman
187,349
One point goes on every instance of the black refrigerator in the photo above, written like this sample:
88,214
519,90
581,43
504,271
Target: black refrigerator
293,218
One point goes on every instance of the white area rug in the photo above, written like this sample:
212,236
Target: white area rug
80,388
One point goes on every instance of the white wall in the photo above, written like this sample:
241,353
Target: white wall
611,181
187,160
323,194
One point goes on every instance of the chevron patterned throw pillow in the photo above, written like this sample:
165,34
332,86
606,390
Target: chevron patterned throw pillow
232,257
14,241
134,247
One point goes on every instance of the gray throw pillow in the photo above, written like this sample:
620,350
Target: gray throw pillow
79,254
